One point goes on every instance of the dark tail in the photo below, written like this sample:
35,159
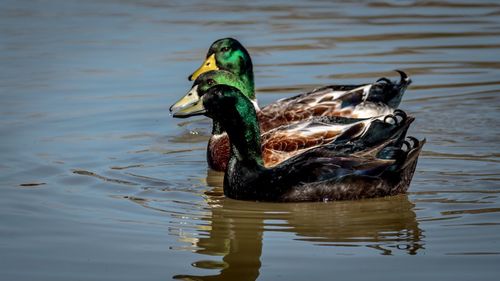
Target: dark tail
413,148
392,129
406,154
382,133
390,92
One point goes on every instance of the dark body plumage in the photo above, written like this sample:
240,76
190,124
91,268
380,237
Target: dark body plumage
379,164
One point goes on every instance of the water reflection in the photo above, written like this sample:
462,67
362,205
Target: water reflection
236,230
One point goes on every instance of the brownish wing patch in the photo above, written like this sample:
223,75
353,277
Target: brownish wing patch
279,114
320,102
279,146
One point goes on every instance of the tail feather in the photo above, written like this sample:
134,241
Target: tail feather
413,153
380,137
376,137
393,127
404,157
389,92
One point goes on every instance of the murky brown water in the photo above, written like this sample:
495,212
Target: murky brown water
98,182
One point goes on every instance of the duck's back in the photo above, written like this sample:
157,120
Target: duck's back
353,101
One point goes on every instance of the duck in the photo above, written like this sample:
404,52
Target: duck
230,55
345,170
322,109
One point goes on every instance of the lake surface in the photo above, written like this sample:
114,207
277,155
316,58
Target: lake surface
98,182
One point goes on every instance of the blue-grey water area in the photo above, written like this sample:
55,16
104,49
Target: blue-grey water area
99,182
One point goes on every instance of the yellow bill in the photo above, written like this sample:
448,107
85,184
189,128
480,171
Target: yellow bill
208,65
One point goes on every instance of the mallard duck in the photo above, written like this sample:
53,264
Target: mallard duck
229,55
329,172
330,101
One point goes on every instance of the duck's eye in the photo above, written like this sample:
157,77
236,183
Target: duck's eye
224,49
211,82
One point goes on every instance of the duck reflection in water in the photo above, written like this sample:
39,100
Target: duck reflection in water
387,225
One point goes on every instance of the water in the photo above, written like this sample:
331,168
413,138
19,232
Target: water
98,182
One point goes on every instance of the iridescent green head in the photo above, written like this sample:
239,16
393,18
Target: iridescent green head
221,77
228,54
227,106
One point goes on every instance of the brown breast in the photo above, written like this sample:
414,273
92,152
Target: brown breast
218,152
